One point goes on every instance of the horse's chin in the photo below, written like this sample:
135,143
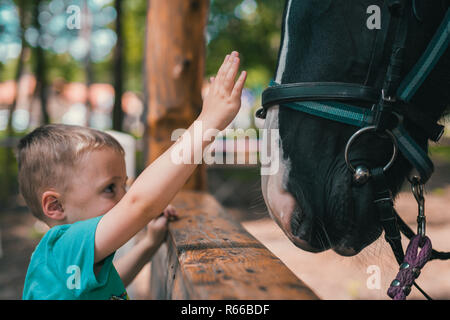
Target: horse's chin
345,251
302,228
282,206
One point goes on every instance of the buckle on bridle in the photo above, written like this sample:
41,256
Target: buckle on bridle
389,99
383,111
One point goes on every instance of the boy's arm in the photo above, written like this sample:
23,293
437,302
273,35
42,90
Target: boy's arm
133,261
158,184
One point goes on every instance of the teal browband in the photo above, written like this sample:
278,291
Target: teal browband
362,117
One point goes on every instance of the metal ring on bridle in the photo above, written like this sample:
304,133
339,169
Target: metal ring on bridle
361,132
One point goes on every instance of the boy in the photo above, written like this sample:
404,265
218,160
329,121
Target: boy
73,179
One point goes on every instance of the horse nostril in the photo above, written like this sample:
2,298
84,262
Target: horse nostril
346,252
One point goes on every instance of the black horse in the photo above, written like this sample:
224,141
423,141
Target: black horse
312,197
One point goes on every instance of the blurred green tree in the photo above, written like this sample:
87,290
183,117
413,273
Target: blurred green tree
251,27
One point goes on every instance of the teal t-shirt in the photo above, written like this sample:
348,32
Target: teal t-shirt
62,267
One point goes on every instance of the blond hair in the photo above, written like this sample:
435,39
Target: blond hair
47,155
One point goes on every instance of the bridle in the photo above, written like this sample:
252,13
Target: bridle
386,118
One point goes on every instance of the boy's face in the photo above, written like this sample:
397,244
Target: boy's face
98,183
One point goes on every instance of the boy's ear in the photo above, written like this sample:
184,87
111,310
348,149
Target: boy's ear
51,205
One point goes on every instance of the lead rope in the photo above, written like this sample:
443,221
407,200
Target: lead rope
410,268
414,260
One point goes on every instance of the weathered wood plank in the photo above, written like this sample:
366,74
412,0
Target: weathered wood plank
209,256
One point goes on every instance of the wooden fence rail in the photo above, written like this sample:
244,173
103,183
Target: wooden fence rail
207,255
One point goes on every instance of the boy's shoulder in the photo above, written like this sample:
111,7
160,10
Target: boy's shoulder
48,239
56,233
61,266
43,276
55,240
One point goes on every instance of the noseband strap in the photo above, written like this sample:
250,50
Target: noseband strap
283,93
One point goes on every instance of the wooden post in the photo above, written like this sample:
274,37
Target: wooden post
175,54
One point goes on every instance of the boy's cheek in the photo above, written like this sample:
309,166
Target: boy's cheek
109,205
100,206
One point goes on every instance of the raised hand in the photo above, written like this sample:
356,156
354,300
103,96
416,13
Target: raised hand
223,100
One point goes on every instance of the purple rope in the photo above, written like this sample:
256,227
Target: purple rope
410,268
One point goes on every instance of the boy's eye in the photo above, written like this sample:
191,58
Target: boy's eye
109,189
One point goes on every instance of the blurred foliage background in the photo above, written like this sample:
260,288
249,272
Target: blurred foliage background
250,26
47,64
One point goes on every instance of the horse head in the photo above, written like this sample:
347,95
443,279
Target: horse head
311,196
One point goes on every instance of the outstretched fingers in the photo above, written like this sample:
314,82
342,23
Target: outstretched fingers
239,86
224,68
231,74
